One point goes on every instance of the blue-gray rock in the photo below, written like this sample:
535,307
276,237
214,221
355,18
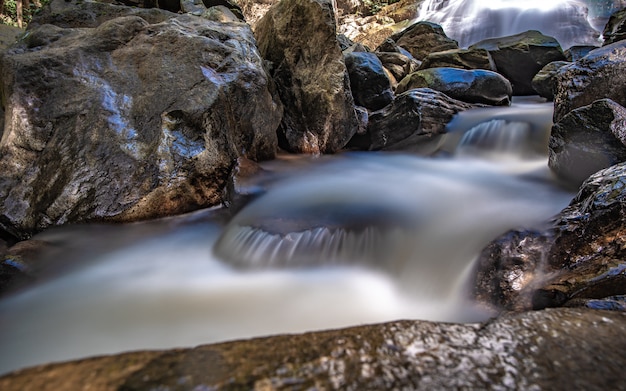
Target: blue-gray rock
370,85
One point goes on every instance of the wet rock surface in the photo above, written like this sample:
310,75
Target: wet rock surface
615,29
413,121
472,86
593,77
534,350
129,120
369,83
544,80
579,256
298,38
519,57
587,140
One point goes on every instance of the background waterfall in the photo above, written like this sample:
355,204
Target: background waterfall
469,21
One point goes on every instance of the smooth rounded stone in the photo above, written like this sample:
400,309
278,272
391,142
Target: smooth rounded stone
578,255
423,38
615,29
414,121
611,303
370,85
587,140
20,264
519,57
127,121
565,348
593,77
298,38
577,52
460,58
544,80
472,86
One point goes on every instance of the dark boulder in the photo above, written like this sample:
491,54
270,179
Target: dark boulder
598,75
519,57
398,64
544,80
587,140
369,84
472,86
615,29
414,121
423,38
579,256
298,38
128,120
460,58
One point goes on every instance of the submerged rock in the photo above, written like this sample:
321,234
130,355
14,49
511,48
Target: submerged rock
298,38
472,86
519,57
128,120
595,76
579,256
551,349
587,140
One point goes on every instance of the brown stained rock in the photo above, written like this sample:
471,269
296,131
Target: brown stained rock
129,120
550,349
599,75
298,38
423,38
519,57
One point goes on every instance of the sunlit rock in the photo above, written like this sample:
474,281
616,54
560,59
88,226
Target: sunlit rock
423,38
579,256
544,80
472,86
519,57
460,58
615,29
370,85
598,75
298,39
519,351
128,120
398,64
413,121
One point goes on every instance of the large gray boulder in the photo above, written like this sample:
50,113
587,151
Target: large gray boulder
587,140
519,57
298,38
615,29
598,75
544,80
460,58
472,86
370,85
579,255
128,120
563,348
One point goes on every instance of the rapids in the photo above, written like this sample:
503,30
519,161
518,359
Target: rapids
334,241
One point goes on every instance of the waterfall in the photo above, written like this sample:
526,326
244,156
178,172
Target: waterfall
469,21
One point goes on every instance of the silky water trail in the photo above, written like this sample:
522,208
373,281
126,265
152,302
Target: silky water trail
339,241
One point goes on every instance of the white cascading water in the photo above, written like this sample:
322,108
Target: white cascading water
470,21
345,240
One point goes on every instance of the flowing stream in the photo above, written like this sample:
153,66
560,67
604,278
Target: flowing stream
334,241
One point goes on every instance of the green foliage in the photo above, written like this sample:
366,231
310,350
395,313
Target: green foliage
9,12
